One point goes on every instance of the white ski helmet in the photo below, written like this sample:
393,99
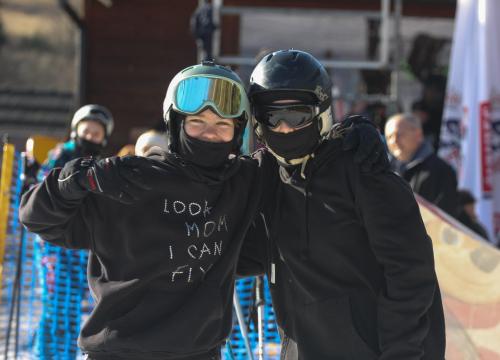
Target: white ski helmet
93,112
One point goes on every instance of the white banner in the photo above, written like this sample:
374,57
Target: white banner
470,135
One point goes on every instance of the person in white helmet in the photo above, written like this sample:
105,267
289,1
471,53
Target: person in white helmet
91,127
149,139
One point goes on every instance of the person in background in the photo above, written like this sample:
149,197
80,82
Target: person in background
414,159
91,127
30,167
430,107
63,275
467,213
202,27
149,139
376,112
126,150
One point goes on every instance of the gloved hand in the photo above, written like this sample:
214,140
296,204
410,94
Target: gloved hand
361,135
121,179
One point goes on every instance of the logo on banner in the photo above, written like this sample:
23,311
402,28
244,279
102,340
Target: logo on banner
486,148
453,129
495,129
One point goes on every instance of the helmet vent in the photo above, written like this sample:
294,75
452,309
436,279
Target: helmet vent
186,69
295,54
269,57
98,112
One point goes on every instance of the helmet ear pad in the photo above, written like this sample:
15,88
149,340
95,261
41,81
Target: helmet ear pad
174,123
239,130
257,128
325,121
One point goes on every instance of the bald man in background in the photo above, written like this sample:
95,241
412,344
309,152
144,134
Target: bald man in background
414,159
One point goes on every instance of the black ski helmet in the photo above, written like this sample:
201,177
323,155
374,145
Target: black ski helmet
296,74
207,69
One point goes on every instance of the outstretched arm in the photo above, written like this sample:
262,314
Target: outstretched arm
58,219
58,209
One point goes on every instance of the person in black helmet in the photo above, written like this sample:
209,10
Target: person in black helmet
349,261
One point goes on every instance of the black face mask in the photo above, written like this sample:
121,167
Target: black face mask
203,153
294,145
89,148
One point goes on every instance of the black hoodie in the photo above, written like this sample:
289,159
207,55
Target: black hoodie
350,264
161,270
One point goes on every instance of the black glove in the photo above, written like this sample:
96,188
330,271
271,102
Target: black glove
120,179
361,135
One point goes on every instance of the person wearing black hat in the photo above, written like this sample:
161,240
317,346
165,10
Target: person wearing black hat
467,213
349,262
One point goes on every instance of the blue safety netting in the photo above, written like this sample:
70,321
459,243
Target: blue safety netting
246,294
44,291
62,275
19,306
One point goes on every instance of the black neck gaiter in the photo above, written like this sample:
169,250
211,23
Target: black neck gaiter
203,153
89,148
294,145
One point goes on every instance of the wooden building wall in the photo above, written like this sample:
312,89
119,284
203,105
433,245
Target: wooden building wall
134,48
428,8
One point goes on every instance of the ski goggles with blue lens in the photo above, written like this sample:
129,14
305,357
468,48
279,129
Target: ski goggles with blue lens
227,98
294,115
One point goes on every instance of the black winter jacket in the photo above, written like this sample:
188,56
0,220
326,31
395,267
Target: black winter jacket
433,179
161,270
350,264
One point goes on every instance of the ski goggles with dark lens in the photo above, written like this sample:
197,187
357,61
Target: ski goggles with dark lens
293,115
227,98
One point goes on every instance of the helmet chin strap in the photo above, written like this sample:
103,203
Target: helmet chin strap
294,162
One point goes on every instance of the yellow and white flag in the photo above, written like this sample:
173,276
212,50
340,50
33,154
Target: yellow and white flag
468,270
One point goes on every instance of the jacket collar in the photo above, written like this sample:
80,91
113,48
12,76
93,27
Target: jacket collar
423,152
